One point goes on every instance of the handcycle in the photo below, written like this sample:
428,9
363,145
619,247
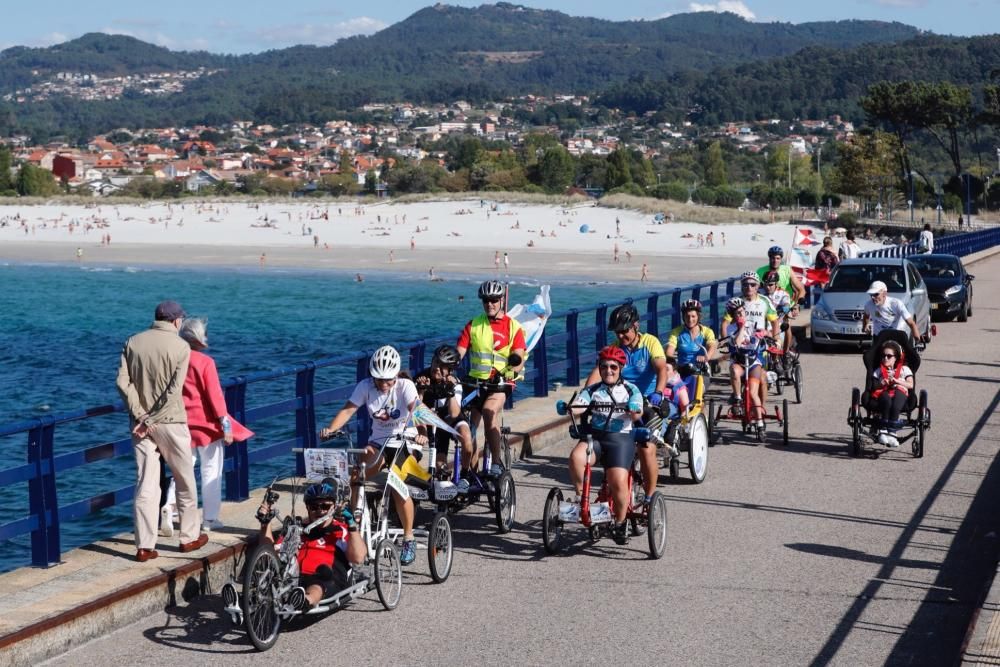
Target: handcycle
785,368
863,416
598,516
741,411
271,571
688,431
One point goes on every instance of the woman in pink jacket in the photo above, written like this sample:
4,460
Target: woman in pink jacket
208,419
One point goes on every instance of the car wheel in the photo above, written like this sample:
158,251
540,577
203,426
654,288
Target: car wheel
963,314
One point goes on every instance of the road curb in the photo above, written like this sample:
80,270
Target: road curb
982,639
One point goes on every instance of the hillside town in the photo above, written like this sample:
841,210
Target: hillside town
93,88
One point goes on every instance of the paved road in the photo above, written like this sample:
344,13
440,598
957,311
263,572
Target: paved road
784,556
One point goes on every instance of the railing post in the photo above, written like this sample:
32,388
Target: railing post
417,356
43,503
237,479
362,420
305,414
675,308
713,305
572,348
541,364
601,317
653,314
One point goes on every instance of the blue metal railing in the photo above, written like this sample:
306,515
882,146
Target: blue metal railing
565,351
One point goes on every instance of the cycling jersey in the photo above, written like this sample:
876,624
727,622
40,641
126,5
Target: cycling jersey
759,312
747,348
686,347
489,343
390,410
611,405
320,547
639,368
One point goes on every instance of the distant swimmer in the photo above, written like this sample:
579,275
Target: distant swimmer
263,259
79,254
358,278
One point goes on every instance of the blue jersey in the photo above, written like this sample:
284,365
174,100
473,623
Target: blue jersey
639,368
610,406
686,347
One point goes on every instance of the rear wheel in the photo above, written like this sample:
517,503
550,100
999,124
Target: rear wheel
552,527
797,379
917,445
439,548
784,422
711,423
638,496
698,448
261,579
505,502
854,417
656,532
506,451
388,573
675,468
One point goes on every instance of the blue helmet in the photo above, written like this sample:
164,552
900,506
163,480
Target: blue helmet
325,490
775,251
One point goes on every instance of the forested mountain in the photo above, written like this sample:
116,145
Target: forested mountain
438,54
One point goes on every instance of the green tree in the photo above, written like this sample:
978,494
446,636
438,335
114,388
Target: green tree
715,167
556,169
618,173
34,181
6,179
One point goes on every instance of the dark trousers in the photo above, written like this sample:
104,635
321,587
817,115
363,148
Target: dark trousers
890,406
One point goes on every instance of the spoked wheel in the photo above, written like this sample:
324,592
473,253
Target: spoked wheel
506,451
698,448
784,422
439,548
854,417
917,445
552,527
505,502
711,423
388,573
638,495
779,385
657,529
675,468
797,379
261,579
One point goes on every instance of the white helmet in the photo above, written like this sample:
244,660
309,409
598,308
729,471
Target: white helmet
491,289
385,363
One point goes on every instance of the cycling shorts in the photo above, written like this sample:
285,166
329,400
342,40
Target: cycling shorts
331,580
614,450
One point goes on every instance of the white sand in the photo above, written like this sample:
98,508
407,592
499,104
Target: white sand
450,236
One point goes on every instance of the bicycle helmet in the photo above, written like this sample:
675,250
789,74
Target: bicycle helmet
491,289
691,304
446,355
613,353
623,317
771,277
734,304
325,490
749,276
775,251
385,363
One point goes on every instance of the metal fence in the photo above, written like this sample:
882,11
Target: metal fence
567,349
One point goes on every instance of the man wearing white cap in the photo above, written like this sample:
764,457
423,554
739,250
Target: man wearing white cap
887,312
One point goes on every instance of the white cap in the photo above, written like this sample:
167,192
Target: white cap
878,287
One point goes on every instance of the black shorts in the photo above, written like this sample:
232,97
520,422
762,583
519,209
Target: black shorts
614,450
477,403
331,580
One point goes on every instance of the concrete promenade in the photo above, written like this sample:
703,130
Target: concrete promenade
784,556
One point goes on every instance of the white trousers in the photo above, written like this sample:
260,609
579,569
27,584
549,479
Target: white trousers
211,458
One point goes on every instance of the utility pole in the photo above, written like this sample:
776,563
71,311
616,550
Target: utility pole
789,166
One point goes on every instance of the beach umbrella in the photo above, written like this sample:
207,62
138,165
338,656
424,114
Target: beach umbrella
584,228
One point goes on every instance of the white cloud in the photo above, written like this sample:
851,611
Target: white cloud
737,7
317,33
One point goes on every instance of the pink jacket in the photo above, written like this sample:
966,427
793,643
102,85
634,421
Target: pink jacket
205,403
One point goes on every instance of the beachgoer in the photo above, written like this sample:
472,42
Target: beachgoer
849,249
644,276
358,278
826,258
496,260
615,253
154,365
506,263
413,243
926,239
79,254
391,256
263,259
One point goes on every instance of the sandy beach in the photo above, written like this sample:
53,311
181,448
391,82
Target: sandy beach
451,237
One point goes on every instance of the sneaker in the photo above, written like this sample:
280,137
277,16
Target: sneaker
212,524
891,440
759,424
296,598
734,399
409,552
496,470
166,522
883,438
462,485
620,533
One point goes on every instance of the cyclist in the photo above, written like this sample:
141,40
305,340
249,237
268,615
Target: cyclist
493,340
440,390
390,400
645,367
692,342
746,358
325,551
787,280
782,303
615,403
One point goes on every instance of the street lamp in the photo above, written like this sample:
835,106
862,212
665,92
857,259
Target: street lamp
912,199
968,199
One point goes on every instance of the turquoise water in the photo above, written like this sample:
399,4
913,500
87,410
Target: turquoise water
62,328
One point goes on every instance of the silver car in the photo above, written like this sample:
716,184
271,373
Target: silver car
836,318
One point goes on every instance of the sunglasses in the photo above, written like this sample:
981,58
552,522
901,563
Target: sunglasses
322,507
609,367
875,296
492,300
623,333
888,356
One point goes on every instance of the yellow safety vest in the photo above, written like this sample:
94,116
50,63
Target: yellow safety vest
482,357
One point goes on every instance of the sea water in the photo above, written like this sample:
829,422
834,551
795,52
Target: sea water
62,330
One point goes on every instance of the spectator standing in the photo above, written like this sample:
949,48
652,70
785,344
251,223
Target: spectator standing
154,365
849,249
926,239
826,258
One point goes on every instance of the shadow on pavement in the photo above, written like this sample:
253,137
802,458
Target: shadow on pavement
853,554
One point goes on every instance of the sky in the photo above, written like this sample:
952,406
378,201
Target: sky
251,26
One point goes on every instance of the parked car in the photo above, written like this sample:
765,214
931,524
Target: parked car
948,286
836,318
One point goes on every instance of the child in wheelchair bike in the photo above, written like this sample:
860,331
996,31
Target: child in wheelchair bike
889,389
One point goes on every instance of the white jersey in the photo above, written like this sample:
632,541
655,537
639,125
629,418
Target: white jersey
760,312
389,411
892,314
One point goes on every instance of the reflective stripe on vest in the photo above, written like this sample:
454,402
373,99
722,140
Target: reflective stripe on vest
482,357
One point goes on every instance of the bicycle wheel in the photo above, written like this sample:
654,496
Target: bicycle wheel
439,548
698,449
784,422
506,451
261,579
854,418
638,496
917,445
797,379
711,422
505,502
388,573
552,527
657,530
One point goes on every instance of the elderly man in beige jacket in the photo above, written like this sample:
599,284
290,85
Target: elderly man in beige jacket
151,376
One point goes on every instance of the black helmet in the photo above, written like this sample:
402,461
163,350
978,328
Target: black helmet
623,317
447,355
491,289
775,251
325,490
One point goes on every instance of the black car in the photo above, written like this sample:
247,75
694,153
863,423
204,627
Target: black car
948,285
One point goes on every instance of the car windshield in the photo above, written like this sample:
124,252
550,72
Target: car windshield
858,277
937,267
